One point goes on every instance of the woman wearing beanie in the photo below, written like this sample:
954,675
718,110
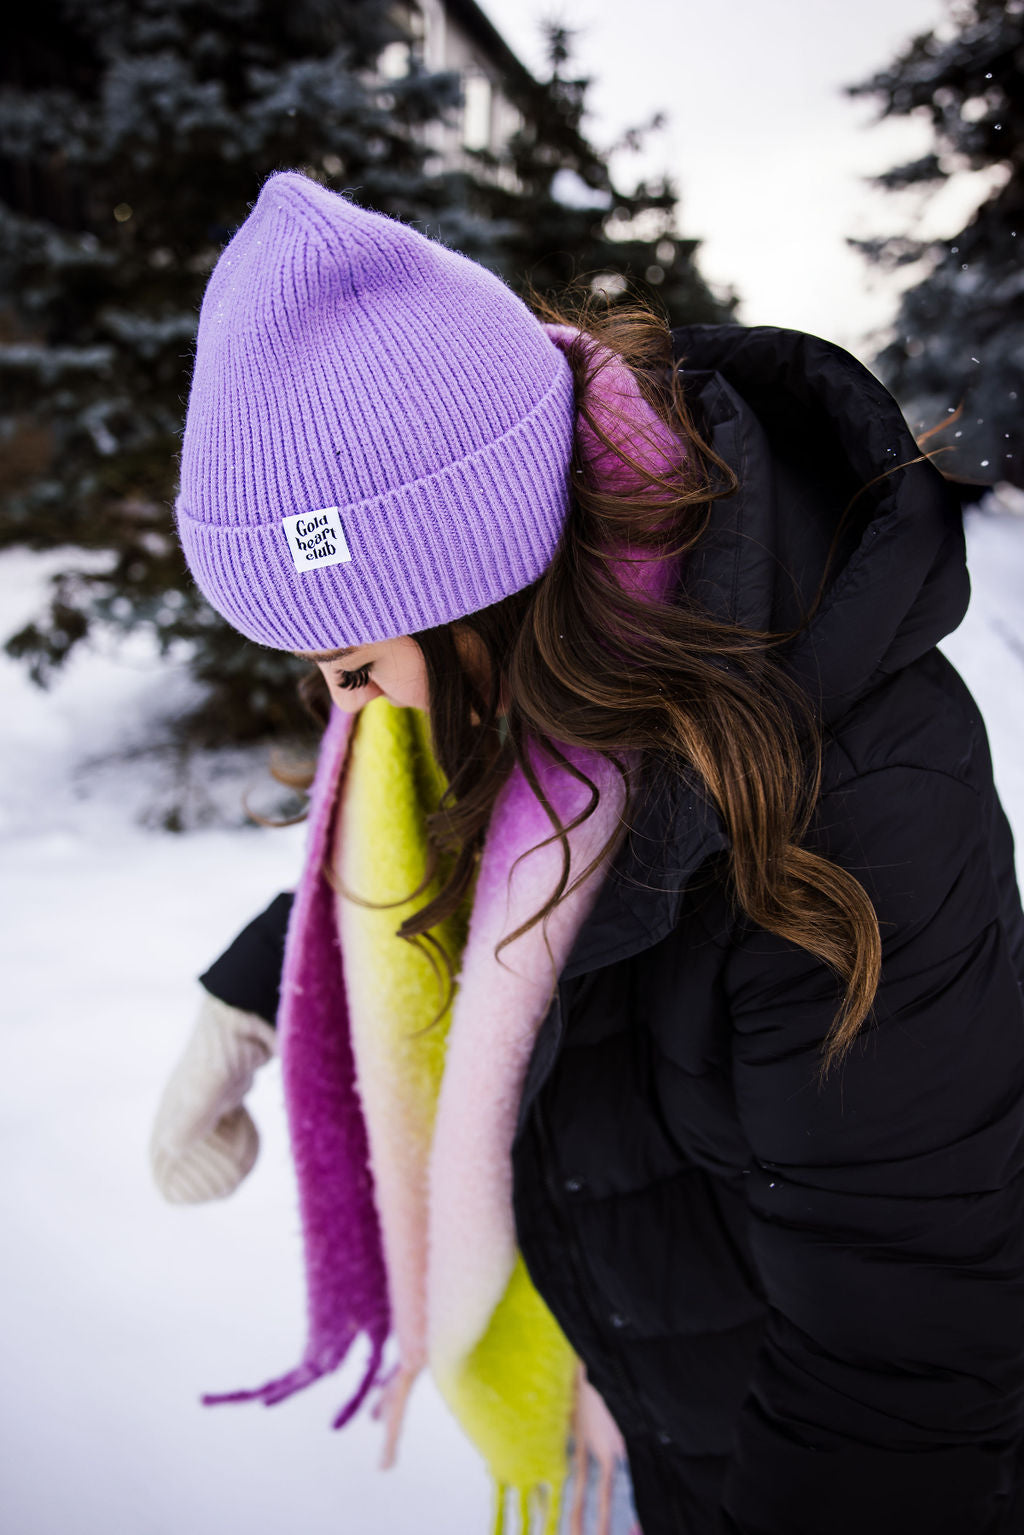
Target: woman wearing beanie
650,1003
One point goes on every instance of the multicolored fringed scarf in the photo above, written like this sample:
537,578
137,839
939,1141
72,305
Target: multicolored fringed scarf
441,1105
401,1135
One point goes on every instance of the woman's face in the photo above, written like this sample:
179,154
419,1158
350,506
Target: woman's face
394,668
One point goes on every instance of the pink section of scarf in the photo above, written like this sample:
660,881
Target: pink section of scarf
499,1008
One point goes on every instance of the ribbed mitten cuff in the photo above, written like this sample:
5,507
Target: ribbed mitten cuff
204,1142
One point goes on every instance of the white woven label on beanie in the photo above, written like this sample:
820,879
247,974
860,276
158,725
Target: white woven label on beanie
315,538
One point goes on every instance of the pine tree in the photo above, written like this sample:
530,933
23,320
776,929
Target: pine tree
958,337
134,137
569,224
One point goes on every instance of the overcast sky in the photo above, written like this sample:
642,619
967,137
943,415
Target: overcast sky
768,154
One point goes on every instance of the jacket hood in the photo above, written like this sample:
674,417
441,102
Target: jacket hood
806,427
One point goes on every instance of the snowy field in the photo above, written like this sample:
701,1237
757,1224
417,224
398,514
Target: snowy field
119,1309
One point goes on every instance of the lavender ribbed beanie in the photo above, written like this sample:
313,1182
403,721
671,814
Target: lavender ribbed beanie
378,433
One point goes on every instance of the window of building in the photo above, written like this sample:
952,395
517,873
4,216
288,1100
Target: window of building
476,111
393,62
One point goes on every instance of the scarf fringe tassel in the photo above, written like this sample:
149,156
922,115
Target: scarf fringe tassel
512,1516
284,1386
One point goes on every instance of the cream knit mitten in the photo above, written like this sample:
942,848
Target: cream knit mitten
204,1141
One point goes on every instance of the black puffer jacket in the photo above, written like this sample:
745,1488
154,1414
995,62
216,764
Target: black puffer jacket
804,1308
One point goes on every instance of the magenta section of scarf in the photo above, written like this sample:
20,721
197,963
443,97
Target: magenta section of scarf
346,1281
634,431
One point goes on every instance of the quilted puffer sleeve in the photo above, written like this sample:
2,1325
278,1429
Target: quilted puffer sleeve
248,974
887,1210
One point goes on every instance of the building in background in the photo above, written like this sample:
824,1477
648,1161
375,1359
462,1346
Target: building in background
456,35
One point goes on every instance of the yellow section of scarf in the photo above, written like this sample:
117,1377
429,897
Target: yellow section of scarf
513,1392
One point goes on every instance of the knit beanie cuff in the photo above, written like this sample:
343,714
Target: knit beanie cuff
487,525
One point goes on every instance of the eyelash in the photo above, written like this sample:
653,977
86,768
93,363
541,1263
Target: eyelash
357,679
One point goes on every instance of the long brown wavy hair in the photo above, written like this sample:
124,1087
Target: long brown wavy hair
681,688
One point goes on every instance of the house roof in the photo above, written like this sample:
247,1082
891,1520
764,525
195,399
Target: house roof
485,34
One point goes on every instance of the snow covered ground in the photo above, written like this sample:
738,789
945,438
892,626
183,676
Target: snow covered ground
120,1310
